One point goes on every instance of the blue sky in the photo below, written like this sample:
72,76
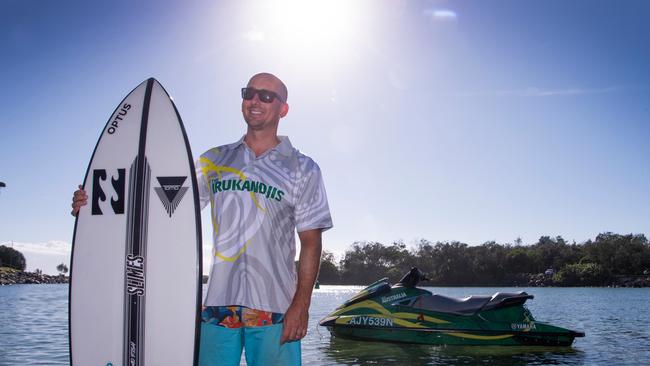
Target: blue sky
443,120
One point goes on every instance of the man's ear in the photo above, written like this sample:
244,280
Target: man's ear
284,110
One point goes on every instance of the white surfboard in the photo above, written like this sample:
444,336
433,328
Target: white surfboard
135,289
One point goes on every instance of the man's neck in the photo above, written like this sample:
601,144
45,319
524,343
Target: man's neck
260,142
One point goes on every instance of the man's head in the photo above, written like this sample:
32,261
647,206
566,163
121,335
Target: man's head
259,112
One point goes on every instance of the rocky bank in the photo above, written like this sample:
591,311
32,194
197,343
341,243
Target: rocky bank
13,277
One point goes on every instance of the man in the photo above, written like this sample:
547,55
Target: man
261,190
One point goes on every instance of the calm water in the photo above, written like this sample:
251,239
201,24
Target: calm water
33,330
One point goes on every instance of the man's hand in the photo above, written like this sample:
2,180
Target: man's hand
80,198
296,320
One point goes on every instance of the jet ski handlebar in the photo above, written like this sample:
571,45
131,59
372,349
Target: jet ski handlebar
412,278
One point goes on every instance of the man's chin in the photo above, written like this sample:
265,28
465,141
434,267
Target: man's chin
255,126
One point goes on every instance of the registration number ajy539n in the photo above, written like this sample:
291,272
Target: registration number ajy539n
371,321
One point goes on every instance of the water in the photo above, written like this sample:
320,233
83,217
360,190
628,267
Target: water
34,330
34,325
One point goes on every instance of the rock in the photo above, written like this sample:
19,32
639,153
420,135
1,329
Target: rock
19,277
540,280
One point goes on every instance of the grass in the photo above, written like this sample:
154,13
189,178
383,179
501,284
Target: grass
4,270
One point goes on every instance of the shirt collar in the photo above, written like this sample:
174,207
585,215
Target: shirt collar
284,147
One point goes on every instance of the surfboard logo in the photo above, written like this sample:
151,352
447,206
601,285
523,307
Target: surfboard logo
98,194
135,275
171,192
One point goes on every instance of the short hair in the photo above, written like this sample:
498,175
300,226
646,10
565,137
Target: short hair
284,93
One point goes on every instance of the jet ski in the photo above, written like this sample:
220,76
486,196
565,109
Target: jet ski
407,314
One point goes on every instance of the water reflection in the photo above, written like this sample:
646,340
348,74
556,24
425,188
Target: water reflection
348,352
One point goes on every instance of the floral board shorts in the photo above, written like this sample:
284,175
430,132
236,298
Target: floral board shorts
226,331
239,316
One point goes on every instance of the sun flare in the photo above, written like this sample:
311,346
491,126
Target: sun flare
307,30
306,22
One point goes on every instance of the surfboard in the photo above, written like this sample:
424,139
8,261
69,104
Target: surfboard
135,287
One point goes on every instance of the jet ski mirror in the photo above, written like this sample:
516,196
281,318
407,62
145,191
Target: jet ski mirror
412,278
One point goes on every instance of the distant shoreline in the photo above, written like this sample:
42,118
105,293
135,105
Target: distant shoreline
538,280
15,277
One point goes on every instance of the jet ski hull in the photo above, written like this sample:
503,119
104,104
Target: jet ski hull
454,337
404,313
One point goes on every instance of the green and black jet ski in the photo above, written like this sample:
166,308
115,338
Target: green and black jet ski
407,314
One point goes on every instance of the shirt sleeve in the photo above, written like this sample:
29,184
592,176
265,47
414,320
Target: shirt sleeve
312,209
204,185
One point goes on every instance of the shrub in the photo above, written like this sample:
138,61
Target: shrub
10,257
581,274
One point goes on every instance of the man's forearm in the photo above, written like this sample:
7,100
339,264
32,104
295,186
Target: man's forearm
309,263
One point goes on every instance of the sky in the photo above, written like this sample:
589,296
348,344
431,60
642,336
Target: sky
473,121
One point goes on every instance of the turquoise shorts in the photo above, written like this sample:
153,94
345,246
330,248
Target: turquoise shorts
221,346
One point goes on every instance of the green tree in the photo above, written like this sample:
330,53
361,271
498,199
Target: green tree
518,260
451,264
366,262
619,254
456,264
553,253
329,272
10,257
582,274
62,268
488,263
423,257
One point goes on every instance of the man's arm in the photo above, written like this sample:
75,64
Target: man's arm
296,319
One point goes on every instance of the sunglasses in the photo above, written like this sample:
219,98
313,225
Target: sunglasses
265,96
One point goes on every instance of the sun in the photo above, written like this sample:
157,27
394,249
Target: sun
308,31
309,22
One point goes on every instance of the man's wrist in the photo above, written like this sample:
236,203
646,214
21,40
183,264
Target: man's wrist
301,302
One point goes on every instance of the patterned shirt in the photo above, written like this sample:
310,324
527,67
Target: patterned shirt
257,203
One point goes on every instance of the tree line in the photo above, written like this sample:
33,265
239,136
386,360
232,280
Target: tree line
11,258
592,263
595,262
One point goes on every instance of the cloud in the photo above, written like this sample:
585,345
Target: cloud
52,247
535,92
444,15
441,15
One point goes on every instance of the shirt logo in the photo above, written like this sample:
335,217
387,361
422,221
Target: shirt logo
270,192
217,184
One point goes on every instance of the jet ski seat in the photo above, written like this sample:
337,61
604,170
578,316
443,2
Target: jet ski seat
503,299
469,305
445,304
